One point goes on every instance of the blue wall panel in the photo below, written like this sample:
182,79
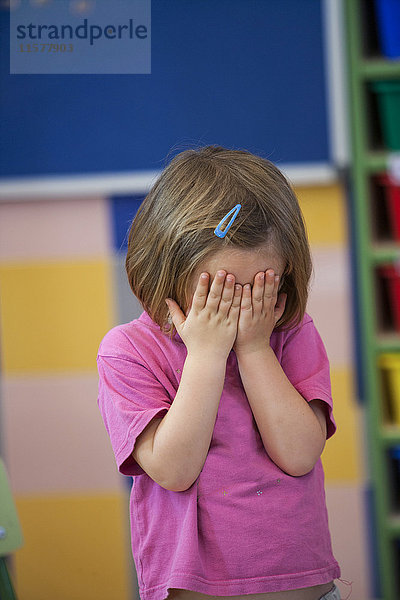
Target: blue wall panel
123,209
241,73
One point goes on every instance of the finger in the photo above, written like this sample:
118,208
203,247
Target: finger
177,316
235,306
258,292
215,293
227,294
189,306
246,304
277,284
270,287
201,292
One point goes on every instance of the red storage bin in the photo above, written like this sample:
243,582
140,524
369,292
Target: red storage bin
392,197
390,275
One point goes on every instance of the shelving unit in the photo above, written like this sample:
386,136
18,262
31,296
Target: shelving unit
369,158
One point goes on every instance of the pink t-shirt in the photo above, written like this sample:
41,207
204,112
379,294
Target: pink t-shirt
244,526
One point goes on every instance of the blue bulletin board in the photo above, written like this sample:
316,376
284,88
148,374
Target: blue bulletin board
240,73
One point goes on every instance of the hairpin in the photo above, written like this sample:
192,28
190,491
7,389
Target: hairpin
218,232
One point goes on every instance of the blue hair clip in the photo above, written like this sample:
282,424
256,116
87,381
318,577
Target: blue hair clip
218,231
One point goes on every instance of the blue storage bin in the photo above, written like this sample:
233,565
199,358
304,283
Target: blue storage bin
395,453
388,14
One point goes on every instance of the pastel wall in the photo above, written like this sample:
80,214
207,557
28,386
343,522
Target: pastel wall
57,302
330,304
62,287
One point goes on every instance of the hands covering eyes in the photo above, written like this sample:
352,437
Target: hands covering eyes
226,315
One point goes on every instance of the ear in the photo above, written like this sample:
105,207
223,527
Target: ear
177,316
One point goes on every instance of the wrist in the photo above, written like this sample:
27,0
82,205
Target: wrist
253,349
254,353
208,357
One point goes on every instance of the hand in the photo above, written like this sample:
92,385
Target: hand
260,310
211,323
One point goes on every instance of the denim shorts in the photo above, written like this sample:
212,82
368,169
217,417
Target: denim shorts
334,594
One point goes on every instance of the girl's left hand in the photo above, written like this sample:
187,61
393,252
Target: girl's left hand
260,310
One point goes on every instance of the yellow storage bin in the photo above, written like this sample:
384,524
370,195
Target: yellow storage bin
390,367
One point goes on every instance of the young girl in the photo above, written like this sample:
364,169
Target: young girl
217,400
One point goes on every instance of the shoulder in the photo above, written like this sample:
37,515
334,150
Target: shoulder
129,338
304,342
307,318
303,338
306,325
140,341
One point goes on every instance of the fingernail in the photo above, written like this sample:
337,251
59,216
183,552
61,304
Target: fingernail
276,277
204,275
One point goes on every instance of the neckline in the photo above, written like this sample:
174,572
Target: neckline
145,318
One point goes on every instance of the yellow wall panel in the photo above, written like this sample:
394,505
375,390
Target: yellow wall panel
341,456
324,210
76,548
54,315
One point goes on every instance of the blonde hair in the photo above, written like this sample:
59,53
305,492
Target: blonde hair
173,231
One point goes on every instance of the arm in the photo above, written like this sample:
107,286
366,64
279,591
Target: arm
174,451
183,436
293,431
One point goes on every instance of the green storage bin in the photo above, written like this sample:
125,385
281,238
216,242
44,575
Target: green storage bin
388,93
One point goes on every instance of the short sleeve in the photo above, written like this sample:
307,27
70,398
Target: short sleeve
130,396
306,365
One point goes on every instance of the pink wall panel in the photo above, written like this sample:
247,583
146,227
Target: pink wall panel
350,545
330,302
54,228
54,436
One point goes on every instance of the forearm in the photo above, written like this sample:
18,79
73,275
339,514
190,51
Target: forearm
290,431
184,435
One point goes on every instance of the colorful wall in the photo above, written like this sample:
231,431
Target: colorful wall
62,287
62,281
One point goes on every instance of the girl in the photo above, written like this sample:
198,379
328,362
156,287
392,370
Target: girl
217,400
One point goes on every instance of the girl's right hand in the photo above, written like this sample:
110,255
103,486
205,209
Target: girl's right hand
212,321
